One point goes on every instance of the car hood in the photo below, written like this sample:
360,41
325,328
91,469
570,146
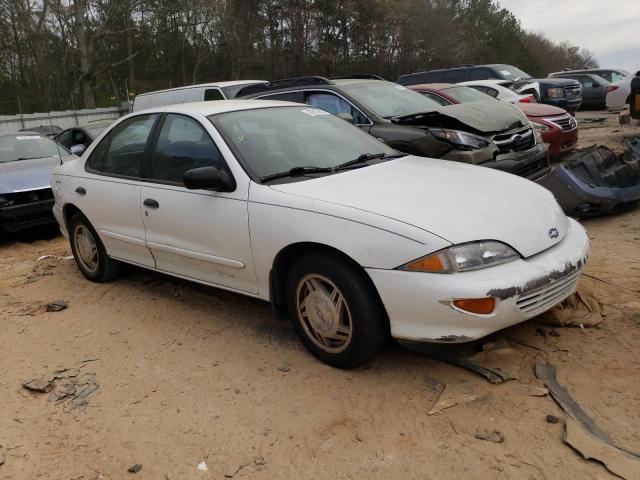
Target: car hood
561,82
458,202
27,174
483,117
541,110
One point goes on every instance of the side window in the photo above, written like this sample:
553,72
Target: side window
483,74
436,98
212,94
586,82
79,138
284,97
456,76
65,138
122,151
337,105
612,76
183,144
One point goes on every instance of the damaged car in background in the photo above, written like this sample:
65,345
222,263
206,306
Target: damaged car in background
491,134
26,162
355,240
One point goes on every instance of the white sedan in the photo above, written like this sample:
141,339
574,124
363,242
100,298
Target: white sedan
496,89
287,203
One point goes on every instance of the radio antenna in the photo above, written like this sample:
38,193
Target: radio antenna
53,140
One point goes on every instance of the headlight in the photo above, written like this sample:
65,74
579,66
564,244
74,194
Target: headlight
464,140
540,127
464,257
555,92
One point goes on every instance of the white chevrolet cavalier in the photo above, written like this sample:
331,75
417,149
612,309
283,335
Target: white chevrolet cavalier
289,204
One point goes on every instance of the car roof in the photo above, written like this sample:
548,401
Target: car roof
200,85
220,106
343,82
22,133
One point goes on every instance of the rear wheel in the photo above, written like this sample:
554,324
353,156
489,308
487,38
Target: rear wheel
335,310
89,252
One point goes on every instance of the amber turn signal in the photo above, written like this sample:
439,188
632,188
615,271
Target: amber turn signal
432,263
482,306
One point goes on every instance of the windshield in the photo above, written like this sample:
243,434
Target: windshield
25,147
466,94
512,73
277,139
390,100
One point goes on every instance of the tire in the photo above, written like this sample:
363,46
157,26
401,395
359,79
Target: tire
100,268
362,327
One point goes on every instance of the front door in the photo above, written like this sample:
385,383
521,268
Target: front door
198,234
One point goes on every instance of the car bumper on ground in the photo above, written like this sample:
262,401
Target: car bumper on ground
16,218
578,198
419,304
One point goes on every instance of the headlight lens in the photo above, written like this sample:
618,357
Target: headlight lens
463,140
464,257
540,127
555,92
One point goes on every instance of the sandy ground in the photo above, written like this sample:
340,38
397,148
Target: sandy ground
188,374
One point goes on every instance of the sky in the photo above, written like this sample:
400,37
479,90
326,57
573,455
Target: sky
610,28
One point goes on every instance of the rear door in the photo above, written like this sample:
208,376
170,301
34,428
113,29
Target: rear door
198,234
109,195
591,90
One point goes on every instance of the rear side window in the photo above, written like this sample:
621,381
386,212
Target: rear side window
182,145
483,74
337,105
455,76
212,94
122,151
65,138
285,97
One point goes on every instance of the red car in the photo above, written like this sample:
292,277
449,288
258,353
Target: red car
559,129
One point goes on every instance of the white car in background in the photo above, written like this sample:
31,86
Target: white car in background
290,204
496,89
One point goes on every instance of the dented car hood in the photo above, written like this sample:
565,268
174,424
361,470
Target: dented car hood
458,202
484,117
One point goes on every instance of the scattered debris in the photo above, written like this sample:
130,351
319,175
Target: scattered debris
622,463
56,306
579,310
203,466
284,367
1,455
531,390
493,436
499,356
329,443
494,376
234,470
454,394
552,419
583,434
42,257
135,468
40,385
116,331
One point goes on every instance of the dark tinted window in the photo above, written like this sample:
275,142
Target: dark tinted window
80,138
455,76
483,74
332,103
213,94
422,77
182,145
122,151
65,138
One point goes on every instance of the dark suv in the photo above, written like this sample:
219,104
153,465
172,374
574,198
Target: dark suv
492,134
559,92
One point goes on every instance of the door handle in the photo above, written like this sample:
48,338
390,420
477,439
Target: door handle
81,191
151,203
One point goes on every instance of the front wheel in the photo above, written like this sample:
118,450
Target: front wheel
89,252
335,310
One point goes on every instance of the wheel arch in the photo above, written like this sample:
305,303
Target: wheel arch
68,211
285,259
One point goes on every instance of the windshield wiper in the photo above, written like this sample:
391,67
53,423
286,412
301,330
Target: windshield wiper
366,157
296,172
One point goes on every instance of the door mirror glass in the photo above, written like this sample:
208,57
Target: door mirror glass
208,178
78,150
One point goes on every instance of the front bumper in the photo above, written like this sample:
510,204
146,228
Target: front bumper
532,164
560,141
570,106
16,218
419,304
578,198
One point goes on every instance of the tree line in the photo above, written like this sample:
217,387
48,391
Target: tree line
69,54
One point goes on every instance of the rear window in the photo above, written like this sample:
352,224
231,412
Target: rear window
466,94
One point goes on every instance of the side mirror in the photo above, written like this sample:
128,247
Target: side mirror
346,116
208,178
78,150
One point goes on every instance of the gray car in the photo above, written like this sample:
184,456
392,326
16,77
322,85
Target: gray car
77,139
594,88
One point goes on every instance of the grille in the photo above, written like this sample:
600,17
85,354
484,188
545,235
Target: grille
21,198
533,170
517,141
572,92
544,298
566,122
